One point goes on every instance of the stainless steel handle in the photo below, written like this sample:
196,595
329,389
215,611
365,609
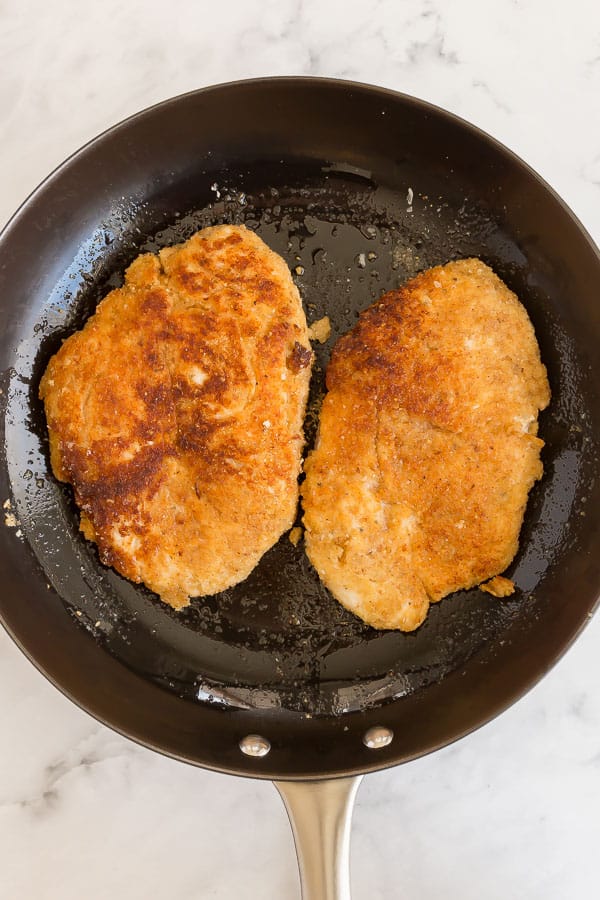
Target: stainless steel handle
320,813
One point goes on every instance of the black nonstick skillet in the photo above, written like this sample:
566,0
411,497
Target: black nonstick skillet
357,188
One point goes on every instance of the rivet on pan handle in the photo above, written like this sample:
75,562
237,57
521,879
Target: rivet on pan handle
377,737
255,745
320,813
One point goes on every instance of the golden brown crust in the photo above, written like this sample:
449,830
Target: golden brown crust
176,413
427,445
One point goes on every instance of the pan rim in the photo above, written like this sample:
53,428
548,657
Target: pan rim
299,79
267,774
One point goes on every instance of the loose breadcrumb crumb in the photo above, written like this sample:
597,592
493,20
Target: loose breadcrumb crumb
295,535
320,330
498,586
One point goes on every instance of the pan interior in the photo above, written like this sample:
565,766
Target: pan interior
279,640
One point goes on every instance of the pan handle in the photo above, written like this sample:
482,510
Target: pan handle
320,813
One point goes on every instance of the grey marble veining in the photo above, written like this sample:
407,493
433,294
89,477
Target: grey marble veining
512,810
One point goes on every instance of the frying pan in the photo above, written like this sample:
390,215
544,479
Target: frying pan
357,188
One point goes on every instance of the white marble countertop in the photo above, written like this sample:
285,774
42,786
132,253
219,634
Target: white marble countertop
512,810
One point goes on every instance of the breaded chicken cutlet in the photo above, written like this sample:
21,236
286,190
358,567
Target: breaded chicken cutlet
427,445
176,413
